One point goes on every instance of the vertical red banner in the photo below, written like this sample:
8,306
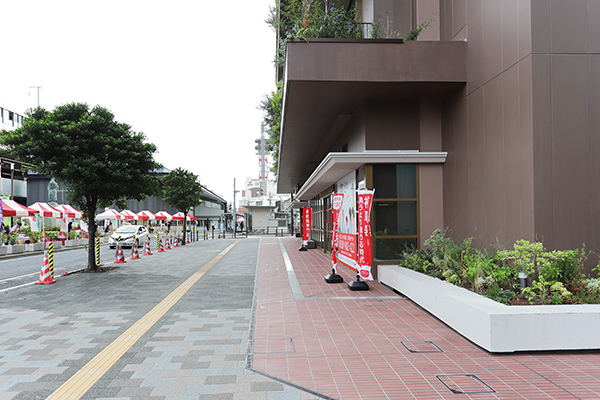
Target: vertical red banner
337,200
365,242
306,224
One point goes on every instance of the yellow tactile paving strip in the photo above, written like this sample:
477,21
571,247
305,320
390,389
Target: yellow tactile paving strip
89,374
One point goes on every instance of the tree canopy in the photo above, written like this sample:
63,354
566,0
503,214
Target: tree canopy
182,191
99,160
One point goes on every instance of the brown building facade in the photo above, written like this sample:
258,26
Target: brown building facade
488,124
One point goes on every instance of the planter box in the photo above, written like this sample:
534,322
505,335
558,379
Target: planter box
34,247
71,242
57,244
494,326
3,250
16,249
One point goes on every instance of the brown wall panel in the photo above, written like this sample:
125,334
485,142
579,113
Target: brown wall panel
430,114
448,145
526,152
594,90
494,162
513,157
461,164
475,45
459,16
540,26
392,125
569,28
570,146
594,26
492,39
510,33
542,149
524,28
431,205
474,172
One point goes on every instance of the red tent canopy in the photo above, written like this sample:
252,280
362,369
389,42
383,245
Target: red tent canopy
146,215
11,208
163,216
46,210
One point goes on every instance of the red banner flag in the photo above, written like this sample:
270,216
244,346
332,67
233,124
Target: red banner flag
306,224
365,244
337,200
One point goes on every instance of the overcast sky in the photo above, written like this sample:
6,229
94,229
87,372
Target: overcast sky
189,74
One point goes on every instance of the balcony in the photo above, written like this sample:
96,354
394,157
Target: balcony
327,81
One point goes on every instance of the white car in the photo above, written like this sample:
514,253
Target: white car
126,232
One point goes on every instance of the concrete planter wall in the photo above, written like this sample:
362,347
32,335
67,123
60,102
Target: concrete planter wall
71,242
3,250
494,326
16,249
34,247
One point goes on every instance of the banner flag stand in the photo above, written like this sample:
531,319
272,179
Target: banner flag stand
306,225
364,254
337,199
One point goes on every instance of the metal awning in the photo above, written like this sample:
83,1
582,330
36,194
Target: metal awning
337,165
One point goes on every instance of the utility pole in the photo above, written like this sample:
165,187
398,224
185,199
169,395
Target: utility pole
38,92
233,208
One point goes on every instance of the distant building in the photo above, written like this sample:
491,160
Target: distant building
12,181
211,209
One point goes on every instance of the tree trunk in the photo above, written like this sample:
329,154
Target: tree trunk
92,244
184,229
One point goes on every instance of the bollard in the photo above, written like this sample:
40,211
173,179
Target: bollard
157,241
98,251
51,258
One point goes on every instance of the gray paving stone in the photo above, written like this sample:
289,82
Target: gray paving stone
197,350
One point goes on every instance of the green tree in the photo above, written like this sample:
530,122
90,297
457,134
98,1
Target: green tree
271,105
182,191
100,160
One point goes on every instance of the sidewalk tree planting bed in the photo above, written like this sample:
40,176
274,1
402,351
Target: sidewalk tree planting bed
470,290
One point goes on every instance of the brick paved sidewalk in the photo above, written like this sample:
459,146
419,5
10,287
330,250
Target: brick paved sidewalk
377,345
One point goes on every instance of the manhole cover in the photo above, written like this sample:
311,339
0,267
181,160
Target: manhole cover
465,384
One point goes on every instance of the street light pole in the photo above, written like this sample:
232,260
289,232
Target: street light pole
38,94
233,209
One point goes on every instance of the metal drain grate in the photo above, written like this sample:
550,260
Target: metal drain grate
274,345
426,346
374,303
465,384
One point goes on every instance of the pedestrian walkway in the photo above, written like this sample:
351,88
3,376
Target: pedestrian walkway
378,345
197,349
253,319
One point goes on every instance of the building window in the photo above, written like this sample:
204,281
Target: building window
395,209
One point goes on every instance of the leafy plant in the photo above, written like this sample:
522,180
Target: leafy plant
554,277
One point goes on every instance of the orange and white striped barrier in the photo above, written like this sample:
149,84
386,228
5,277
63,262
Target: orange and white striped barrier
161,249
134,251
175,242
120,258
45,274
147,251
167,244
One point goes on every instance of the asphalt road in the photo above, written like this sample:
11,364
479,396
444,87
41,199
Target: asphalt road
24,270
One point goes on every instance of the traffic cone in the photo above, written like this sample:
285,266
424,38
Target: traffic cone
147,251
167,244
160,246
134,252
120,258
187,239
45,275
175,242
